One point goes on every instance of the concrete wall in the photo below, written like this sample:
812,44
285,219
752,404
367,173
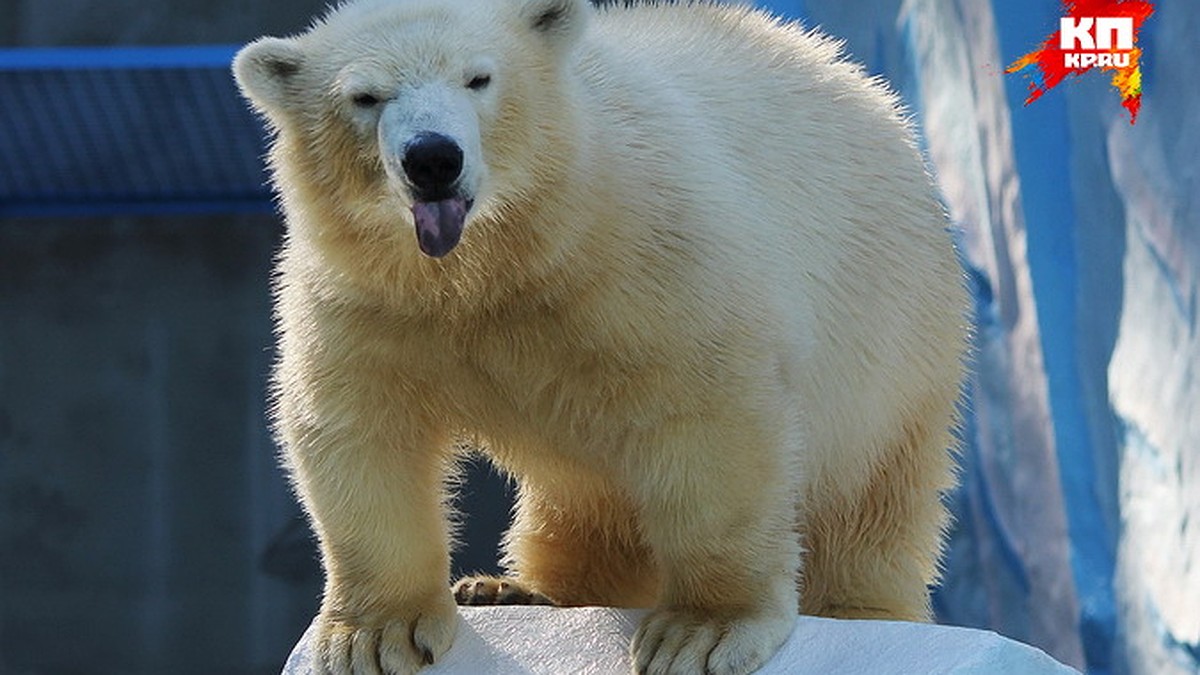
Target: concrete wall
144,524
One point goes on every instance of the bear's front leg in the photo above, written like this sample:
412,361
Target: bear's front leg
371,480
717,503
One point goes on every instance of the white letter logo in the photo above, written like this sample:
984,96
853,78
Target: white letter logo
1121,26
1075,35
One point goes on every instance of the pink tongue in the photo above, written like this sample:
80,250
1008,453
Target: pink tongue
439,225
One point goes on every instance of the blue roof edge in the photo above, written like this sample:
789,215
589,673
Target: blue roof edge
106,58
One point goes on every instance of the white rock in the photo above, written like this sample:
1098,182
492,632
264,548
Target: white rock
518,640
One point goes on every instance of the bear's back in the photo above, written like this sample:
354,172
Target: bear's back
796,160
730,52
778,101
766,110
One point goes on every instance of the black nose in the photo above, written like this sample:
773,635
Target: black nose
432,162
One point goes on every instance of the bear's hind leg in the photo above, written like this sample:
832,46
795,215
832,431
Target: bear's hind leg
876,557
576,546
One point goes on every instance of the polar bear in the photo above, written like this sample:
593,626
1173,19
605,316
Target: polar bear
677,269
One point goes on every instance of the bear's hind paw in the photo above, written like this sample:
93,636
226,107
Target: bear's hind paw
485,590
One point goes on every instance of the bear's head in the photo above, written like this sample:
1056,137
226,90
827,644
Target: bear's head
397,114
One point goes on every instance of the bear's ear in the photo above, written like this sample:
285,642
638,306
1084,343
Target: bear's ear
266,71
560,21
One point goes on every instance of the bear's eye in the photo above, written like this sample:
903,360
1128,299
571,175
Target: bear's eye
479,82
365,100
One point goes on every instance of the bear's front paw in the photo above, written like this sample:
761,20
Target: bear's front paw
496,591
677,641
388,645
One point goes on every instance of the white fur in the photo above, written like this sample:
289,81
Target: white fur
704,310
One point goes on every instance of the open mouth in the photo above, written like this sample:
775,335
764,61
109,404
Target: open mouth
439,223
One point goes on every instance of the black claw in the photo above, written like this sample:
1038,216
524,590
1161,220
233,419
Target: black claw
427,656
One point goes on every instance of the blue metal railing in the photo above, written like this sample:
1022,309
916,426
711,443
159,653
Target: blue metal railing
95,131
